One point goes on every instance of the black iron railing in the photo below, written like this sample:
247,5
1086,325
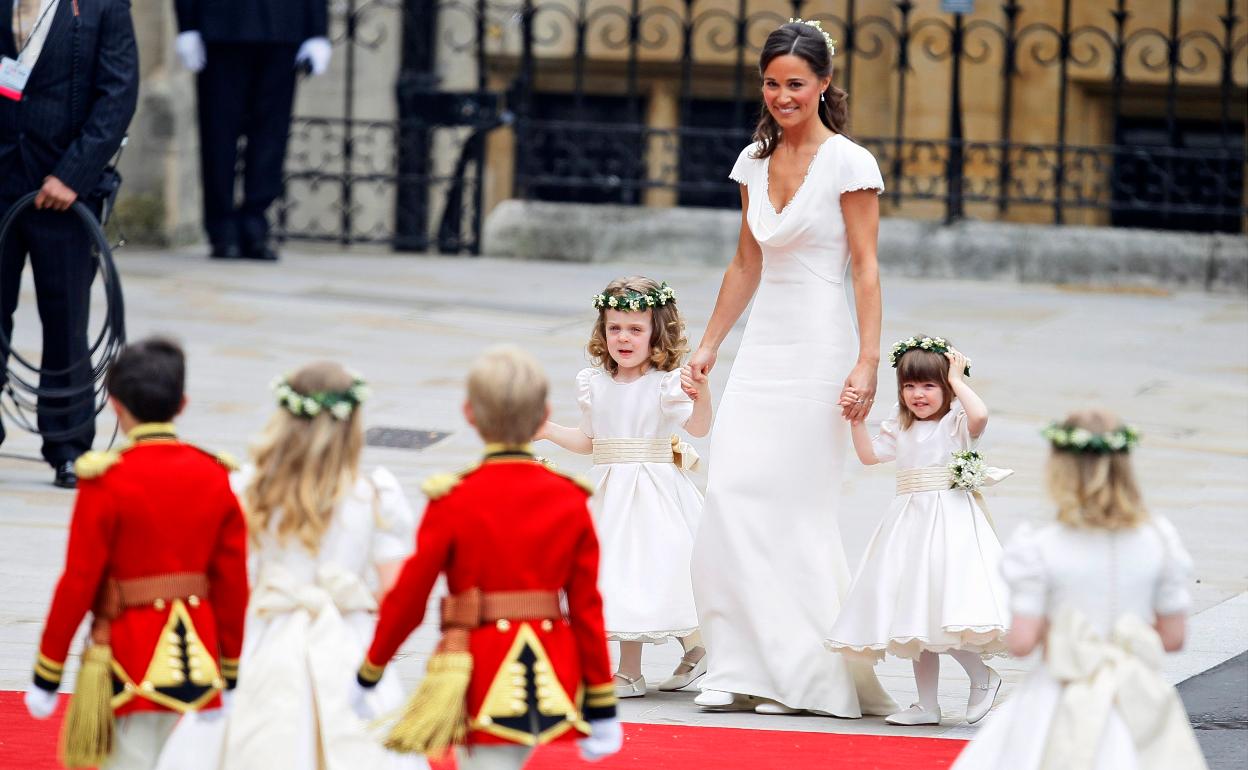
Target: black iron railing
577,81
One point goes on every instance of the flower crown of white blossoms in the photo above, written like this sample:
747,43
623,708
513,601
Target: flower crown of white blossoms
629,300
818,25
931,344
1082,441
338,403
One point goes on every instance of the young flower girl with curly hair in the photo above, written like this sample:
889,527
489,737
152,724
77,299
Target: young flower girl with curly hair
633,401
929,581
1105,590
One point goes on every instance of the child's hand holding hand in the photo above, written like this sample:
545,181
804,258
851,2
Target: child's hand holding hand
693,382
957,366
850,398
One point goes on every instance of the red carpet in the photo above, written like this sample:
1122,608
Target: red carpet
27,744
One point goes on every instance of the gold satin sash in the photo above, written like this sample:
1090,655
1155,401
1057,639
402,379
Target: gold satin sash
645,450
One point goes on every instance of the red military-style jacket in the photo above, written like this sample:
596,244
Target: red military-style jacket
511,524
154,509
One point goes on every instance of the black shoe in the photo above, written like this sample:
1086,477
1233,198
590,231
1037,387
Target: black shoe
226,251
262,253
65,476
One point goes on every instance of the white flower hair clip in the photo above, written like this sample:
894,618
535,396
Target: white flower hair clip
818,25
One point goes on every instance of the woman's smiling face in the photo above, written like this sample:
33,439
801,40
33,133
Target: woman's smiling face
791,90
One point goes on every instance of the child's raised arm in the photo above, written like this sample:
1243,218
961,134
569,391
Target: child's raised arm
698,387
570,439
974,406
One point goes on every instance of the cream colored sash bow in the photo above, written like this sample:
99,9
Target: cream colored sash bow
645,450
1120,673
936,478
278,592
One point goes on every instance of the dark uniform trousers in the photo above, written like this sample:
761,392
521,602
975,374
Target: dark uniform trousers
63,263
246,91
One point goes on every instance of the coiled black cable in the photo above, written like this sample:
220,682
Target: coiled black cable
22,376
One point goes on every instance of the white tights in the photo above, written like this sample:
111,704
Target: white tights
927,673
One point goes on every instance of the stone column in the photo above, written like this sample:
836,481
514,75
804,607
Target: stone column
662,150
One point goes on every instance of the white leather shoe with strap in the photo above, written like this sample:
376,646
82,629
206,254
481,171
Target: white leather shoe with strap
686,673
982,697
915,715
629,686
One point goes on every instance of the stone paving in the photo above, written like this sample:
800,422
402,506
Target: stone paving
1174,364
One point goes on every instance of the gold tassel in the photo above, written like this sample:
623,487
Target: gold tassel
436,716
87,734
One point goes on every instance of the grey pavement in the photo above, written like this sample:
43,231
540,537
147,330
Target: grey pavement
1217,701
1175,364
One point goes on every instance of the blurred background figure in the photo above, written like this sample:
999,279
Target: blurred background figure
69,84
247,54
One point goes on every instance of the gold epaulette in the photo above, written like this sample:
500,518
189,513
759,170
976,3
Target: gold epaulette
585,484
92,465
226,459
439,485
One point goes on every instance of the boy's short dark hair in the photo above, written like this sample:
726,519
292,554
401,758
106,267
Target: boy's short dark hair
148,378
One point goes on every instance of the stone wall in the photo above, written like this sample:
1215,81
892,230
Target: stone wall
1096,256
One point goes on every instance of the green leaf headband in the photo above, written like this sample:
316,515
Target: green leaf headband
931,344
630,301
818,25
339,403
1082,441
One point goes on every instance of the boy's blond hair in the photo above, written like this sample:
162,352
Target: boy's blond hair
304,465
507,392
1091,489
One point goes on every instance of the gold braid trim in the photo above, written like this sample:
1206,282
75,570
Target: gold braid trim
436,716
87,734
371,673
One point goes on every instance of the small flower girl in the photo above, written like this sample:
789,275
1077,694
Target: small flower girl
646,509
929,581
1105,590
328,541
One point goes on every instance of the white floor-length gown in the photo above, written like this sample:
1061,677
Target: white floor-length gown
769,569
309,622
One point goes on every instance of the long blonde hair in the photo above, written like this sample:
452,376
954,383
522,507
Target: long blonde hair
1095,490
304,465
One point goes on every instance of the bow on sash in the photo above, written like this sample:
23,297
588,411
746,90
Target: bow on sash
1120,674
683,454
992,477
306,642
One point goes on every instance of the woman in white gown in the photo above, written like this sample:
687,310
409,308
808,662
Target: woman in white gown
316,577
769,570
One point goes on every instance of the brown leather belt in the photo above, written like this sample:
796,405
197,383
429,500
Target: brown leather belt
157,590
474,608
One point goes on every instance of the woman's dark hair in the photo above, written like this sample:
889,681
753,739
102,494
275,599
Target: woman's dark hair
148,378
808,44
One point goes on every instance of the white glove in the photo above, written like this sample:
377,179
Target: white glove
190,48
39,702
316,53
359,701
606,736
212,715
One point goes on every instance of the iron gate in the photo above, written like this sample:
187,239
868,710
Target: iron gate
396,153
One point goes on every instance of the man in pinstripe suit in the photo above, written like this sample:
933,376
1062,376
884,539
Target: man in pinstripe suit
57,135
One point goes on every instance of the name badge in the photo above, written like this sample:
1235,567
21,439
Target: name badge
13,77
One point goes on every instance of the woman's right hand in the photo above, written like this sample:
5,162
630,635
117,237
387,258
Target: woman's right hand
702,361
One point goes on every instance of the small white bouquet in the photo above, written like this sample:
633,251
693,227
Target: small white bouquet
967,471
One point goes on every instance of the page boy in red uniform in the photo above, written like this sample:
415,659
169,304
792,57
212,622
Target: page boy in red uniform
523,658
157,554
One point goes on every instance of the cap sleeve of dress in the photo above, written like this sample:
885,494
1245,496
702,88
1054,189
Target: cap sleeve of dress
955,426
743,170
885,443
1022,566
394,525
674,402
1174,584
584,399
859,171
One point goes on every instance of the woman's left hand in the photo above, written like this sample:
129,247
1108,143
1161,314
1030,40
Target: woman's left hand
862,381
